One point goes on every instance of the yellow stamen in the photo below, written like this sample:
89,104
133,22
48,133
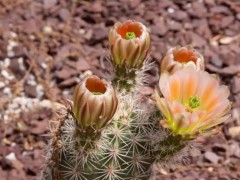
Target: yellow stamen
130,35
194,102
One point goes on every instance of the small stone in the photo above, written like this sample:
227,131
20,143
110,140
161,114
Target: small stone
64,14
170,10
7,90
95,7
211,157
174,25
236,115
49,3
65,73
159,29
82,65
47,29
10,54
226,40
163,171
220,9
99,33
236,84
2,84
234,149
69,82
11,156
210,169
238,16
230,70
226,21
39,91
216,61
30,90
234,131
197,40
15,163
6,75
180,15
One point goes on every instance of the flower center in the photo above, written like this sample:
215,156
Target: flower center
194,102
130,30
184,56
130,35
96,86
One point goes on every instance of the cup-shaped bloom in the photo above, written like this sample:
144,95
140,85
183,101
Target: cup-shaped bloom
193,101
129,44
180,57
94,103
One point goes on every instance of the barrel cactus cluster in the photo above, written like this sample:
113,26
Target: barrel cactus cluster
111,131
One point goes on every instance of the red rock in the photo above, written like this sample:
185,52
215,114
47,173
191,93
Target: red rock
49,3
197,40
69,82
65,73
30,90
236,84
159,29
64,14
82,65
227,21
211,157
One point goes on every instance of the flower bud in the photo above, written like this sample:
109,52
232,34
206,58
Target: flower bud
94,103
129,44
193,101
180,57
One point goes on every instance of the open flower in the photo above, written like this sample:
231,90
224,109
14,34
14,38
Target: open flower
179,57
95,103
129,44
193,101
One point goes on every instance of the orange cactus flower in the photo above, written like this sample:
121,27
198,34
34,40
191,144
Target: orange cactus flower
94,103
193,101
180,57
129,44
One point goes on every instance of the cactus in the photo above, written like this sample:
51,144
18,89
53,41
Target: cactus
109,132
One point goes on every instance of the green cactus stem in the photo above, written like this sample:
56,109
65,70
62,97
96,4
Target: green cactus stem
171,146
124,78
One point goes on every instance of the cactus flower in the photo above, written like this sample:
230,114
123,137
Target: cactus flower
129,44
179,57
94,103
193,101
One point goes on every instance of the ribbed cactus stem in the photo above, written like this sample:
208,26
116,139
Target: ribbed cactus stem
124,78
88,139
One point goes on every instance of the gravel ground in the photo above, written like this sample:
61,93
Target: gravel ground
47,46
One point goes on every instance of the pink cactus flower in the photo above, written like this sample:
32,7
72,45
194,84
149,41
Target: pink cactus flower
180,57
129,44
193,101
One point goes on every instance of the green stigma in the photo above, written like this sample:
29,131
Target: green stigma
194,102
130,35
97,93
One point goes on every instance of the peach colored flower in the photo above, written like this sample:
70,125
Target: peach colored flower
94,103
129,44
179,57
193,101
